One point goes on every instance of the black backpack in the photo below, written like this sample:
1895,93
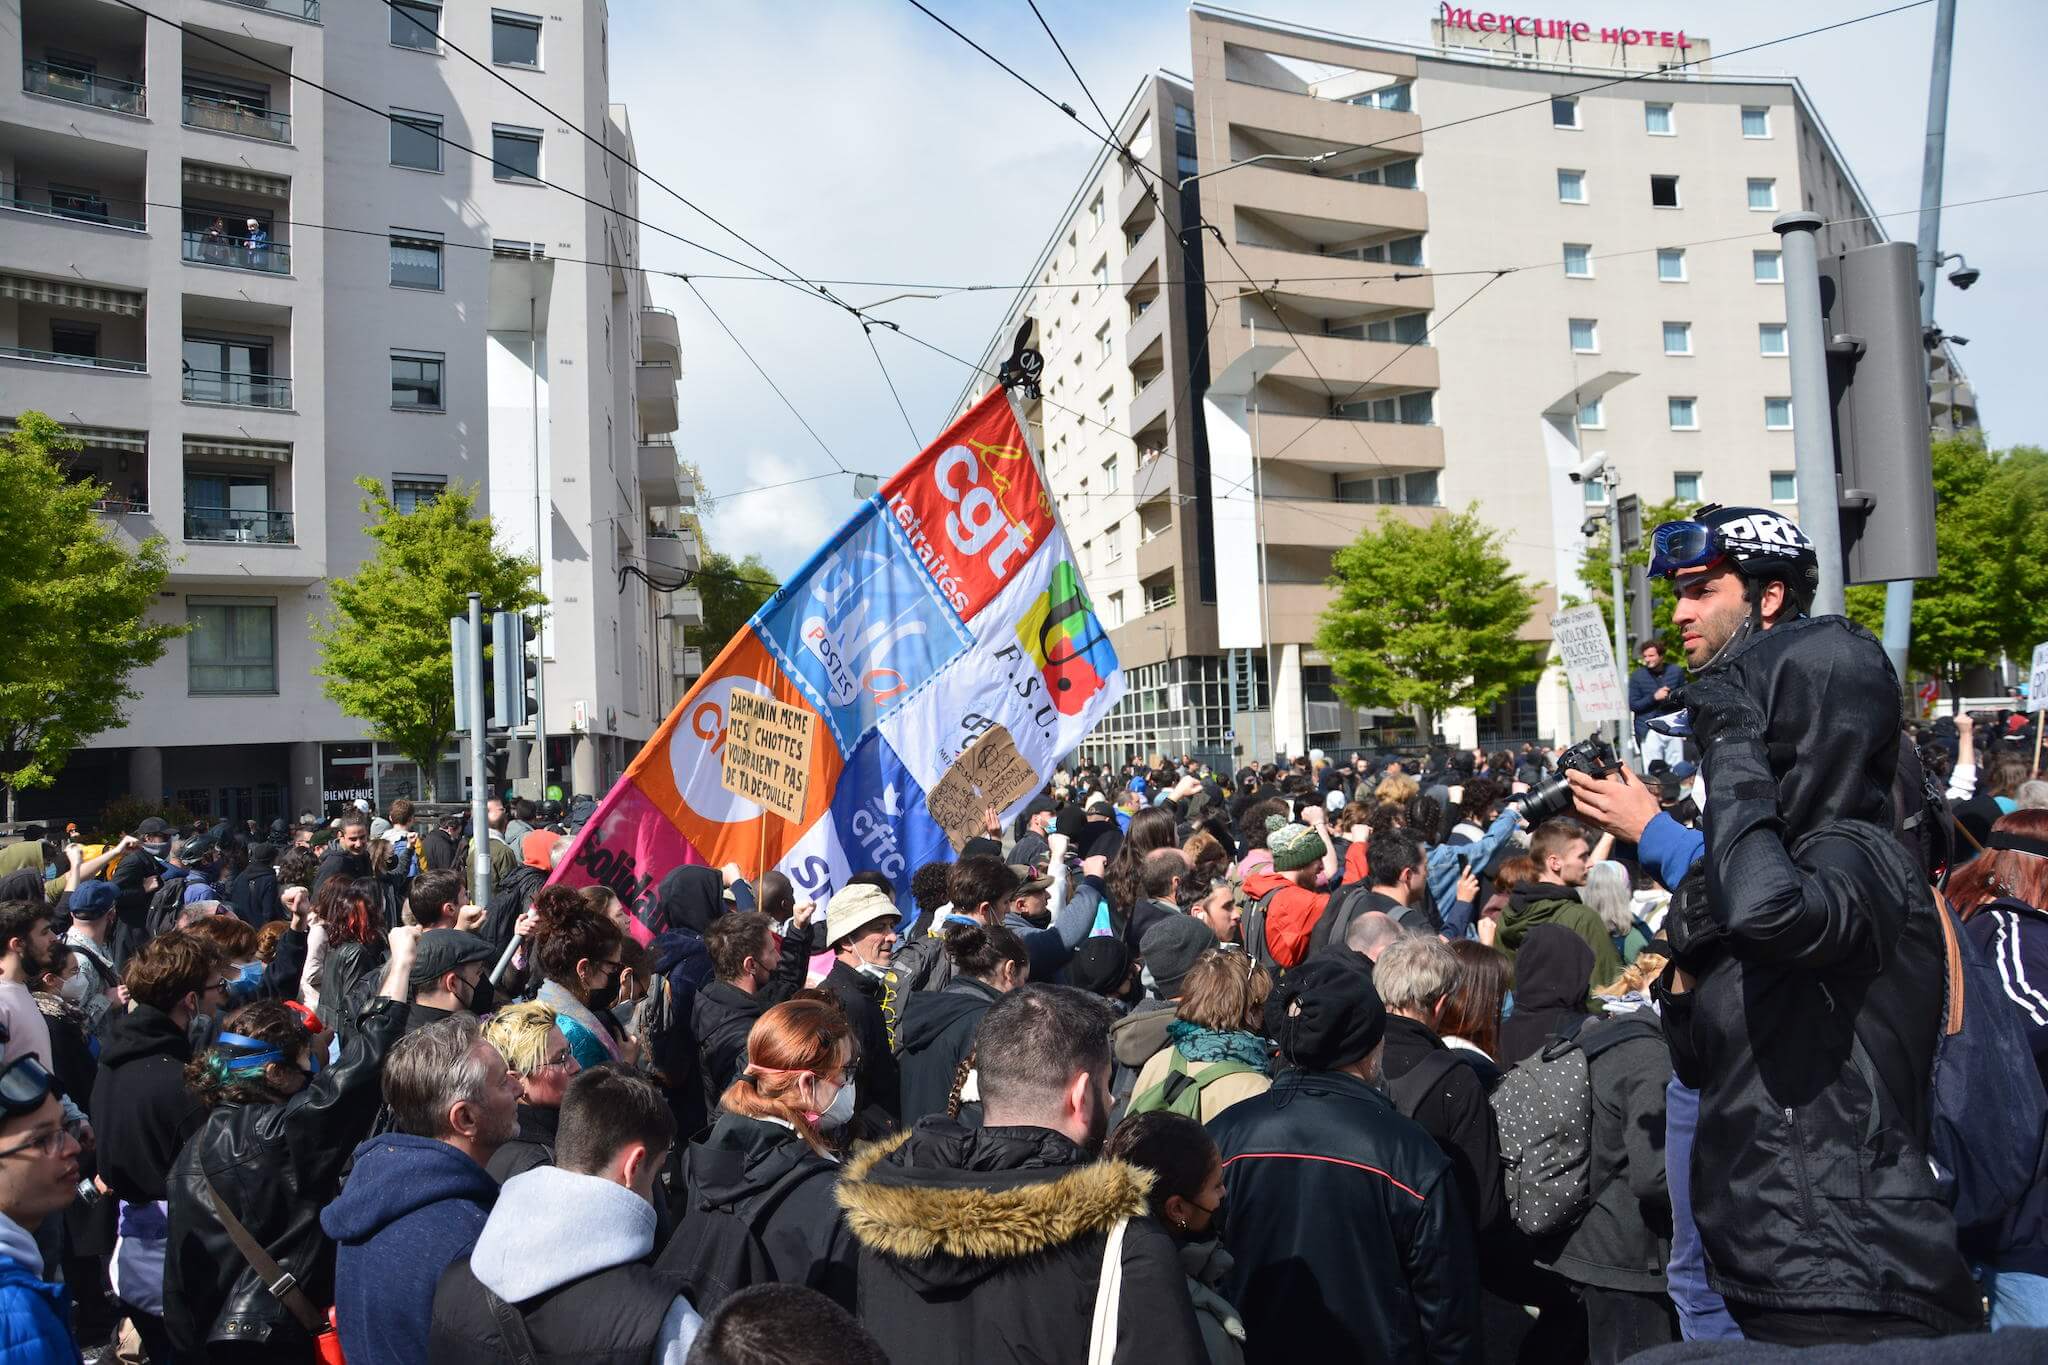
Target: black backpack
167,901
1251,928
717,1251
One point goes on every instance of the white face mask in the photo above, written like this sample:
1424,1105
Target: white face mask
77,989
840,1112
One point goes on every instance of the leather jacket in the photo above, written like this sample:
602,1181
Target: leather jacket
275,1166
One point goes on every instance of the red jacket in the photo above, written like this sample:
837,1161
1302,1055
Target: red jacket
1290,915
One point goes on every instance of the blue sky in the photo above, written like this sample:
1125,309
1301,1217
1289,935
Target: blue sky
856,139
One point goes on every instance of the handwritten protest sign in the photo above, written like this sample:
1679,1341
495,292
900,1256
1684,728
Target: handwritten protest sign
2037,680
767,757
1588,654
990,773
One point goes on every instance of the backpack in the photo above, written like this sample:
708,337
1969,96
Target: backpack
717,1252
166,902
1251,927
1181,1093
1544,1108
1986,1116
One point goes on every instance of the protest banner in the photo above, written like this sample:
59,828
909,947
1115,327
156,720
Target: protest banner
944,654
1587,651
2037,699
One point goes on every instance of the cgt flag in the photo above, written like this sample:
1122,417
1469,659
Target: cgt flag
947,650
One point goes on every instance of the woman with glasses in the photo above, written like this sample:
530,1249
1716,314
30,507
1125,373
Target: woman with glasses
279,1129
38,1177
768,1165
579,956
533,1046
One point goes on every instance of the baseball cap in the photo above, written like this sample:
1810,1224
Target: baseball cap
1028,879
152,828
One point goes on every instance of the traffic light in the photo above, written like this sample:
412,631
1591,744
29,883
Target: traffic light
1642,625
463,651
514,665
489,659
1877,390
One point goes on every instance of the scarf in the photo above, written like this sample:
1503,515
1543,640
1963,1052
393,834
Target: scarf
1199,1044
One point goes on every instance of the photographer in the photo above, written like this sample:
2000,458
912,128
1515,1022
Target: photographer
1804,996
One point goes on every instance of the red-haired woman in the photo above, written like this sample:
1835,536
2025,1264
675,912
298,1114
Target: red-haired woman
770,1156
353,911
2002,895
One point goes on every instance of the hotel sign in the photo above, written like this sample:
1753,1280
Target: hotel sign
1577,30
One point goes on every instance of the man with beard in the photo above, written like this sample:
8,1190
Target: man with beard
968,1235
25,943
349,855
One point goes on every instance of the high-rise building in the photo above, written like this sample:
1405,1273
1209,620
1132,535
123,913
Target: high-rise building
1339,281
244,295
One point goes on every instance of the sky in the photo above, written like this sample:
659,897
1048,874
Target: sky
858,140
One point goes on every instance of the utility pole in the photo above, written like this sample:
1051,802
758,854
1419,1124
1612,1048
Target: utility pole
540,546
1622,730
479,736
1898,595
1813,438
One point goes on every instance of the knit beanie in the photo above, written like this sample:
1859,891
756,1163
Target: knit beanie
1171,946
1293,846
1325,1014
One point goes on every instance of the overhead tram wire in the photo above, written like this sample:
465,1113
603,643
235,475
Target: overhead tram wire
766,377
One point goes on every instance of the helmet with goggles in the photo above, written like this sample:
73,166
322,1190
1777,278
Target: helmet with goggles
1758,544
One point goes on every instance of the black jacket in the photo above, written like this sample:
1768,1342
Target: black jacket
339,862
1550,990
877,1081
984,1244
348,978
722,1016
253,893
1346,1225
1820,973
510,899
141,1112
535,1145
937,1034
737,1164
1624,1241
1431,1084
276,1166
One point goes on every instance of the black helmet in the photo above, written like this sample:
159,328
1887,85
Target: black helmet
1760,544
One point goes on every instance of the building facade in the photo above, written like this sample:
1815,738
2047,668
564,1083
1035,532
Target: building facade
1338,286
243,295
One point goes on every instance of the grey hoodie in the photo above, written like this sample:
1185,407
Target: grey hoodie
551,1226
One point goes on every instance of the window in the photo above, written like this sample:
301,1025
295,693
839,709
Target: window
516,152
1664,191
1564,111
1777,414
1416,409
410,492
515,38
1571,187
1763,194
1595,492
1770,338
1677,338
416,260
1103,401
1593,416
1114,615
416,378
232,650
1420,490
79,339
1578,261
1095,213
416,140
1756,121
1109,479
1102,342
1399,98
1671,264
1114,542
1400,175
518,251
1657,119
1100,274
1685,414
1767,267
1585,335
1784,485
416,24
1685,487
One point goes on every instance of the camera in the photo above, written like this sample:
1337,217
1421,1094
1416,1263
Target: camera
1588,468
1593,756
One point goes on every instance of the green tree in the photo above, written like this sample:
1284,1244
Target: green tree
1597,577
1990,596
384,650
75,599
733,590
1427,618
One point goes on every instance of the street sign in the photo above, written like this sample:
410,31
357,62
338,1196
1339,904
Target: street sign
1588,656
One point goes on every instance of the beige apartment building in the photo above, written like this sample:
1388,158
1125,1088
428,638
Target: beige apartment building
1321,300
243,295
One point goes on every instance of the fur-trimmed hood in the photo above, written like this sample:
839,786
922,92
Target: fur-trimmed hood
951,1204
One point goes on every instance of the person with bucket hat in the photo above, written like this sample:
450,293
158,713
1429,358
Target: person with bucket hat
860,929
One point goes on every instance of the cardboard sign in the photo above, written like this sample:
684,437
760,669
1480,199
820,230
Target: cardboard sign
767,756
2037,680
991,773
1588,656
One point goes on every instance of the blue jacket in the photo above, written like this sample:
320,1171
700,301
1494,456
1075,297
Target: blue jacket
33,1315
411,1208
1447,862
1669,849
1642,694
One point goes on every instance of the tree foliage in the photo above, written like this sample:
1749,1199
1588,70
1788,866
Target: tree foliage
1427,618
1990,596
384,648
1596,576
733,590
75,599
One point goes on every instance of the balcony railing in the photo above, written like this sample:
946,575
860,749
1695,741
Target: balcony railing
122,507
238,525
232,116
97,362
237,390
82,87
298,9
272,258
10,198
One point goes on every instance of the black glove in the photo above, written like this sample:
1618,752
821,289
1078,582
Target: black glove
1689,926
1720,710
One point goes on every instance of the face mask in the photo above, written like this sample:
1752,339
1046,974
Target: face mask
838,1113
1218,1218
484,995
77,990
605,996
248,980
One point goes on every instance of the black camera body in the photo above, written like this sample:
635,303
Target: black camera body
1592,756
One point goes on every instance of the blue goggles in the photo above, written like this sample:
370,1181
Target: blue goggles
1680,545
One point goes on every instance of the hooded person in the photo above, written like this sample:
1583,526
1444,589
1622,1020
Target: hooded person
686,901
514,889
1550,990
937,1033
135,878
253,892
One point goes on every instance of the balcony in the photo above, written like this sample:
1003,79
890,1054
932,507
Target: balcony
95,91
687,662
238,526
660,338
1332,525
270,258
95,362
308,10
1150,404
1160,553
233,390
73,207
1146,256
684,606
654,392
1336,366
1299,115
672,551
1154,476
1311,196
1344,445
1311,274
659,481
686,489
216,115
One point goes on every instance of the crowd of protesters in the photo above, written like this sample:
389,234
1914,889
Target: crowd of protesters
1314,1060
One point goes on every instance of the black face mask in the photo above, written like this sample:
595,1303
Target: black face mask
604,997
1218,1218
483,996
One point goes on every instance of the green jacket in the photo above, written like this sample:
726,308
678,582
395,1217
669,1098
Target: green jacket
1535,903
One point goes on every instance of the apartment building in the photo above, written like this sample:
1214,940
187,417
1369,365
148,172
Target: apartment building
1333,285
244,295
